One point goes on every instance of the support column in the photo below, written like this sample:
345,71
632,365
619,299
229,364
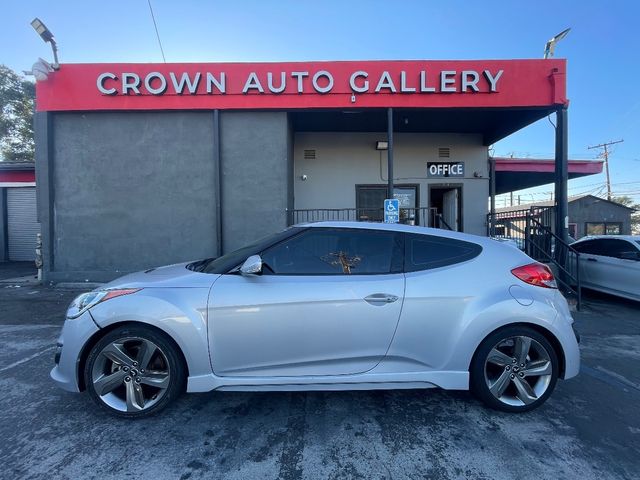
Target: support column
217,181
43,132
562,177
390,152
492,193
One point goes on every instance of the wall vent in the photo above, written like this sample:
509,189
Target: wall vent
310,154
444,152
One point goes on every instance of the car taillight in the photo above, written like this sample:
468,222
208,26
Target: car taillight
536,274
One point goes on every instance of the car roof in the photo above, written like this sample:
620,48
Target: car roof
635,238
397,227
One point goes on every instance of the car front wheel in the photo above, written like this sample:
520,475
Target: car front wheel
134,371
514,369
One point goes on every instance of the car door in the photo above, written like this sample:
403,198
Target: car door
611,269
588,259
327,303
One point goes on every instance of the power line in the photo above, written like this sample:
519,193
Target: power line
605,154
157,33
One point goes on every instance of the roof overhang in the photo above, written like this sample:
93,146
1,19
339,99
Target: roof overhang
492,124
519,173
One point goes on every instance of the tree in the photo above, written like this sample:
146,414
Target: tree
627,201
17,101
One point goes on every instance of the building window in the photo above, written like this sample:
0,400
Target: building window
573,230
603,228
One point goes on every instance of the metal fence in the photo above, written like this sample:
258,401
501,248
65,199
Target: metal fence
532,230
424,216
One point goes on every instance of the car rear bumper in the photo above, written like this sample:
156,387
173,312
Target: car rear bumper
75,334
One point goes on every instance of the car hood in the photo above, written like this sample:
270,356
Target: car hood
174,276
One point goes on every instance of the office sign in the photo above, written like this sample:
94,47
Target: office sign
445,169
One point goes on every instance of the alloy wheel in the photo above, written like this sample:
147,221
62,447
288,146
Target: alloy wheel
131,374
518,370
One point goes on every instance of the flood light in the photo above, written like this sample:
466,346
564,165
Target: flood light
551,44
46,35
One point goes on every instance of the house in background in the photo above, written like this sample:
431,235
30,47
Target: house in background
18,214
588,215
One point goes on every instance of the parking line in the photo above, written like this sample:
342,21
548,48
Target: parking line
24,360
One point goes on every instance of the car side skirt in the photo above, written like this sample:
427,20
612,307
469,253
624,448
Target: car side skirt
446,380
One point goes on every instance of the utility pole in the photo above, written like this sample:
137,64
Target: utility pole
605,155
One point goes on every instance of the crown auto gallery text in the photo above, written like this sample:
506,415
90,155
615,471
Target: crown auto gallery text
322,81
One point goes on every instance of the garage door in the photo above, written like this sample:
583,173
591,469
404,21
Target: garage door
22,223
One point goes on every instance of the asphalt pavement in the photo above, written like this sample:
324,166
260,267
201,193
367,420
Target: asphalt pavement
589,429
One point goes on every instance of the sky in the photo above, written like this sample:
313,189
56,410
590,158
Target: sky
602,51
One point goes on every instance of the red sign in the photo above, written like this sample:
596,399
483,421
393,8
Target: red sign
408,84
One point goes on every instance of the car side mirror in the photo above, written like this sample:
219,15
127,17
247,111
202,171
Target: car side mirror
252,265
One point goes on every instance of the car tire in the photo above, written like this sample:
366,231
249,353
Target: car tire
514,369
134,371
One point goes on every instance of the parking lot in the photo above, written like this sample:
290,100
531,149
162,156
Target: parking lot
590,428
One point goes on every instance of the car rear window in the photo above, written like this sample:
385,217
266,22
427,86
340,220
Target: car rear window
424,252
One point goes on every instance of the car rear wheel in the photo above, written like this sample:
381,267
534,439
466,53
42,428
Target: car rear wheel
134,371
514,369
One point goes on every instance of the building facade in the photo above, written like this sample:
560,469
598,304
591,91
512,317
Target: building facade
140,165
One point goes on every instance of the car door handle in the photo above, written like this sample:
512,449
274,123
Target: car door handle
591,260
380,298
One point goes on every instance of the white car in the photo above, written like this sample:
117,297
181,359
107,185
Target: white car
326,306
610,264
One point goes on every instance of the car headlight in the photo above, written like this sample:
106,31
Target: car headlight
85,301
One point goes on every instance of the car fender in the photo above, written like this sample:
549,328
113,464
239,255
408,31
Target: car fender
181,313
481,320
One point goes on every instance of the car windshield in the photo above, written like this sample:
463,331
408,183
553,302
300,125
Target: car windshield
232,259
638,242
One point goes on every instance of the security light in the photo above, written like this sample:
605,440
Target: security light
382,145
551,44
41,69
46,35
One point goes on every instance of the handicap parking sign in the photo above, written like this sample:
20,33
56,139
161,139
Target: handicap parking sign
391,210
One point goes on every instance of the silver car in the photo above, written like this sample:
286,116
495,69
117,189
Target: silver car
610,264
325,306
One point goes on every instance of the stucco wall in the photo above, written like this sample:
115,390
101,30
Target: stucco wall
255,175
131,191
344,160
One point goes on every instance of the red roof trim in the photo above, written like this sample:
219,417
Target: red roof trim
585,167
402,84
18,176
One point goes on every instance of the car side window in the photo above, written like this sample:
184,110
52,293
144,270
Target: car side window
617,248
339,251
607,247
588,246
424,252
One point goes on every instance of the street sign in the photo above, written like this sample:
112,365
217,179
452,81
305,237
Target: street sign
391,210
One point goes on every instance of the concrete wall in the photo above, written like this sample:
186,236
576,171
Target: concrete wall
591,209
255,175
344,160
130,191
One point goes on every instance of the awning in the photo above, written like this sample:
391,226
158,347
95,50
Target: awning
519,173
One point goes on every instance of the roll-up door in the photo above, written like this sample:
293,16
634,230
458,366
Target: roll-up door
22,223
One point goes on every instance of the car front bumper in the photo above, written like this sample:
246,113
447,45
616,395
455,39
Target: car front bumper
75,334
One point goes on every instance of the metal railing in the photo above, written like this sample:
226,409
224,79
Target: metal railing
546,246
425,216
532,231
